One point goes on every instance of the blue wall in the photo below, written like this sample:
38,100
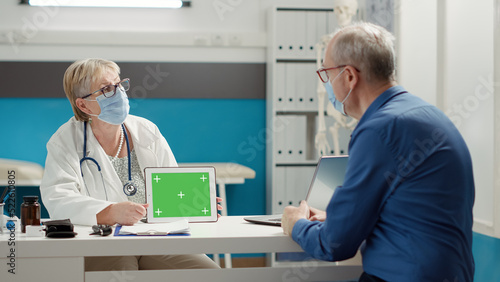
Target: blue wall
198,130
487,257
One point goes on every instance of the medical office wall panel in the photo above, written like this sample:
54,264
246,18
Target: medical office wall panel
469,100
416,62
148,80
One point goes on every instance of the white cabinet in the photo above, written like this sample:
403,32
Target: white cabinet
292,106
292,101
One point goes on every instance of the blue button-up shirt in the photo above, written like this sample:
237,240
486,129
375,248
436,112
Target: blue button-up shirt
407,196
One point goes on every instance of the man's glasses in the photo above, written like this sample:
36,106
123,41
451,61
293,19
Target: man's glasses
323,72
110,90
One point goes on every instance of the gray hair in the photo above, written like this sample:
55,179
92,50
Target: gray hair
369,48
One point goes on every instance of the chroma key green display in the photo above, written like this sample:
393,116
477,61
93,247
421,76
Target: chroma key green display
181,194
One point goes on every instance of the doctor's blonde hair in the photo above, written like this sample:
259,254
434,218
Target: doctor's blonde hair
79,77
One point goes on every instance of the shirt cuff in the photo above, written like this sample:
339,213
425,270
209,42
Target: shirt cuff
299,227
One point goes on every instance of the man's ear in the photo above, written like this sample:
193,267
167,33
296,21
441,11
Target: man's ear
80,103
352,76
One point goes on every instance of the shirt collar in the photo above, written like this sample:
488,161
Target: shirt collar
381,100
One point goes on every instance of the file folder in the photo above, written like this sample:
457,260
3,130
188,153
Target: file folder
281,34
279,190
280,95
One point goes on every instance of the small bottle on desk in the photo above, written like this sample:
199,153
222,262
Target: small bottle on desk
30,212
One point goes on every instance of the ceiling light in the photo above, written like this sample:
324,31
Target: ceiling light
110,3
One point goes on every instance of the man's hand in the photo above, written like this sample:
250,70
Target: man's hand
124,213
316,215
292,214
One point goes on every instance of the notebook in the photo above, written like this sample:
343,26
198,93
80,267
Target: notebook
179,227
329,174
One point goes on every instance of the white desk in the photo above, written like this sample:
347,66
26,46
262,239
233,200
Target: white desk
226,173
45,259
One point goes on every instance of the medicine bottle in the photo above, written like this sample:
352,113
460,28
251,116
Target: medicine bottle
30,212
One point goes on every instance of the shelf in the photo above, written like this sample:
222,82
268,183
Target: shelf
296,60
298,112
300,163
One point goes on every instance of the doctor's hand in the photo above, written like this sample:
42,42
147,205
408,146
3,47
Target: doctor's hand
292,214
219,207
124,213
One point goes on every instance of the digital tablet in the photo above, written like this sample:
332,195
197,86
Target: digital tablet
175,193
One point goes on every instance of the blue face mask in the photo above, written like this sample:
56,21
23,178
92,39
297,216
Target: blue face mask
339,106
114,110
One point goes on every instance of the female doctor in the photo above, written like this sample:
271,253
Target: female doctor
93,171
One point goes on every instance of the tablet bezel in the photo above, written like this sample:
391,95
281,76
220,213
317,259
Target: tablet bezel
148,171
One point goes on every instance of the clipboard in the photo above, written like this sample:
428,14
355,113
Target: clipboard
177,228
118,228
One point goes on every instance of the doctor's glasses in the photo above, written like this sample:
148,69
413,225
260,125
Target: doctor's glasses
110,90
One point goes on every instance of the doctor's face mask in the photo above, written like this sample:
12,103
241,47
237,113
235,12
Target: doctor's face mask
115,109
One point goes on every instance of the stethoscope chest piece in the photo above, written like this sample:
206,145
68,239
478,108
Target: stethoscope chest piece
129,189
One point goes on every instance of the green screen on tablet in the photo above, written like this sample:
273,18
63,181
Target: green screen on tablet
181,192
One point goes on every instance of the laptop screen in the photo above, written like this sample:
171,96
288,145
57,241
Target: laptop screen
328,176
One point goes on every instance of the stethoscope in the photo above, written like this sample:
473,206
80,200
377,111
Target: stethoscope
129,188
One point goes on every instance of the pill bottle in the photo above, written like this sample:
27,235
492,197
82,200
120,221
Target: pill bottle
30,212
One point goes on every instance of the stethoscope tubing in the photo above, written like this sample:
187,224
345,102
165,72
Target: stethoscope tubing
85,158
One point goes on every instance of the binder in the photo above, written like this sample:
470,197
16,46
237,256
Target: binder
312,80
300,35
290,24
291,185
279,190
280,33
299,139
311,35
298,179
321,25
304,175
290,87
301,82
279,132
280,97
290,149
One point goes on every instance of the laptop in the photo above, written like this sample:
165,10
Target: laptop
329,174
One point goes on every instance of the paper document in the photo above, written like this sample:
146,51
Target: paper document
176,227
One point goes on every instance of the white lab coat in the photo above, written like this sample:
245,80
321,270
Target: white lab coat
64,192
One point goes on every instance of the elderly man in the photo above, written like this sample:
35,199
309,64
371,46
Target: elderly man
408,192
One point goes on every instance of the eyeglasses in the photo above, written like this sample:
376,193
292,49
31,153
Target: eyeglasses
110,90
323,74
